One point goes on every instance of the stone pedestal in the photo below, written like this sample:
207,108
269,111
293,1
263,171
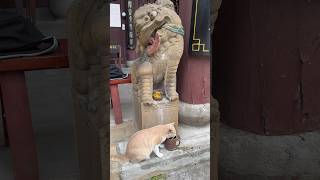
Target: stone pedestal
244,155
163,112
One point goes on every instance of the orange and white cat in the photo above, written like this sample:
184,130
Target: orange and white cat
144,142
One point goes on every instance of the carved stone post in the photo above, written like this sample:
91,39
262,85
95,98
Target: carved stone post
160,42
88,39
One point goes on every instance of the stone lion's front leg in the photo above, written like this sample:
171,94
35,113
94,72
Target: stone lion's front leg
171,81
145,76
134,79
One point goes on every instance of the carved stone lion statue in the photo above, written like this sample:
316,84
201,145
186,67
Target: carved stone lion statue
160,44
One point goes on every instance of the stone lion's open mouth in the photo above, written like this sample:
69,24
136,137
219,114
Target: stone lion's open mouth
153,43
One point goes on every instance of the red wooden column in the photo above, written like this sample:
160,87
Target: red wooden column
266,66
193,76
19,125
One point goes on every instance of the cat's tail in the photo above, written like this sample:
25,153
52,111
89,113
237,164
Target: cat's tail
120,158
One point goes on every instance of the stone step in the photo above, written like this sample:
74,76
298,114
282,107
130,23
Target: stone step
185,163
190,161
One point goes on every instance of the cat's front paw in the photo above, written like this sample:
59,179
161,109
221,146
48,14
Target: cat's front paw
160,155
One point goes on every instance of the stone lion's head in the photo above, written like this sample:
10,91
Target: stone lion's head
148,19
165,3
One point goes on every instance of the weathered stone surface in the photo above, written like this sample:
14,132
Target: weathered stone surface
194,114
199,171
163,112
245,156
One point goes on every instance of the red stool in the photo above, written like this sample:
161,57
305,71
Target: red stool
16,112
114,91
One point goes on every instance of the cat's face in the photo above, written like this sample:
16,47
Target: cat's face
171,130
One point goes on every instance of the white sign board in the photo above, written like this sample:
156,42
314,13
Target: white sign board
115,16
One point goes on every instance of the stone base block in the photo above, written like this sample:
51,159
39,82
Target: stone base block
194,114
162,112
247,156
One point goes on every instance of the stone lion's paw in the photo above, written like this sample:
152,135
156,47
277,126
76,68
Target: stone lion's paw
173,96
